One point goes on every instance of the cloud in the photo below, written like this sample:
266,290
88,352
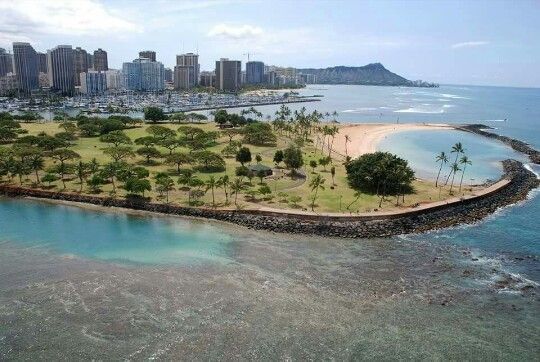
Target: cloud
30,18
235,31
469,44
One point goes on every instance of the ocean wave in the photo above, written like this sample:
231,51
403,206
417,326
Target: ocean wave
419,110
491,120
452,96
530,168
359,110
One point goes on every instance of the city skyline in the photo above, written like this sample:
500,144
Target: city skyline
484,43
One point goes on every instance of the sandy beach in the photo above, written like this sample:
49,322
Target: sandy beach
365,137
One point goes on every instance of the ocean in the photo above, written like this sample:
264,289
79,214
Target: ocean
79,283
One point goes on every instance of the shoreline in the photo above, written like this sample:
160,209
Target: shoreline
464,211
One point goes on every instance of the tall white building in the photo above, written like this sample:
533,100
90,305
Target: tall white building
93,82
114,79
61,69
143,75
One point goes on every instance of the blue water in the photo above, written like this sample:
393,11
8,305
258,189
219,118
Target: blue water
111,236
160,240
418,147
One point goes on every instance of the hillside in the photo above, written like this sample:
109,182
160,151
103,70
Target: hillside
371,74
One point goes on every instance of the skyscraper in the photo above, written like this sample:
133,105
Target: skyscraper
114,79
93,82
100,60
42,60
26,67
61,69
80,57
168,75
228,74
6,63
182,76
254,72
90,60
148,54
190,60
143,75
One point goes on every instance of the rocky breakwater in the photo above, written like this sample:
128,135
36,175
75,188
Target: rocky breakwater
463,212
517,145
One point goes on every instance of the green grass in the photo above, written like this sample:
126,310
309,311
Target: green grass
328,199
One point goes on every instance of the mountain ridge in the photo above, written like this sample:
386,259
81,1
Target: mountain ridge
370,74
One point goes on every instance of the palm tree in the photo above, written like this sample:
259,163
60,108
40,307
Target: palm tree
316,183
224,182
457,149
81,170
236,186
164,184
464,161
211,184
188,179
442,158
36,162
332,132
347,140
455,169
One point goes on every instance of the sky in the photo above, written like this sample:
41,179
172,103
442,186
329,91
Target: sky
449,42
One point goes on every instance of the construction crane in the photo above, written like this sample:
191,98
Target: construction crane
249,54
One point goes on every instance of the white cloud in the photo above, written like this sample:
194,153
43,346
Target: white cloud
469,44
30,18
235,31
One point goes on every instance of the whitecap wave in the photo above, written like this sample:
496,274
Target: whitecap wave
419,110
359,110
452,96
491,120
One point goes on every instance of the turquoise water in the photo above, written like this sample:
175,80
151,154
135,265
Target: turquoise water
112,236
418,148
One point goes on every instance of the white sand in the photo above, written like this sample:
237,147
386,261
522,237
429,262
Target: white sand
364,138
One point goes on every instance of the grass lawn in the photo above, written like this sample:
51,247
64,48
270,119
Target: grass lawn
334,198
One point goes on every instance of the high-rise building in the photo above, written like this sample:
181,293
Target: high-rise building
93,82
168,75
80,57
228,75
6,63
100,60
90,61
8,84
61,69
25,65
190,60
143,75
208,79
148,54
182,75
114,79
254,72
42,60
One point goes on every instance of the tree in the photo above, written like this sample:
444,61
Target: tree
259,133
148,153
116,138
313,165
211,184
442,158
315,184
119,153
464,161
258,158
265,191
455,168
81,171
188,179
261,174
21,169
237,186
324,161
295,199
178,159
379,171
36,163
243,156
278,157
170,143
137,186
224,182
62,169
62,155
146,141
458,150
292,156
347,140
164,184
94,183
221,117
161,133
333,173
154,114
211,161
110,171
49,178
